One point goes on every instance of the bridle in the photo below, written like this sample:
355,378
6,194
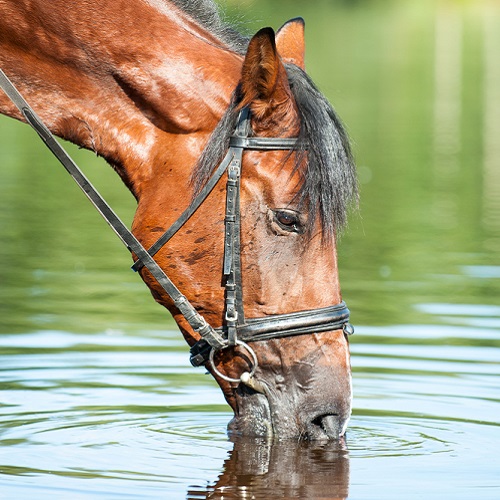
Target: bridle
236,330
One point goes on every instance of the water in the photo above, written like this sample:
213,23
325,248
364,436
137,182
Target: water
98,399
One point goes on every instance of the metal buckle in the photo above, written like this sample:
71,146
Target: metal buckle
231,315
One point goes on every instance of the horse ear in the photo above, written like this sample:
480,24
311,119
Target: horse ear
264,83
290,41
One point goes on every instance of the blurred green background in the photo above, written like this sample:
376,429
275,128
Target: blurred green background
417,84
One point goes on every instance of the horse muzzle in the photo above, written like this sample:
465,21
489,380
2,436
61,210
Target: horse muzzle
306,397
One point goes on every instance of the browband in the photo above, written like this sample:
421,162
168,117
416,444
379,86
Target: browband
265,143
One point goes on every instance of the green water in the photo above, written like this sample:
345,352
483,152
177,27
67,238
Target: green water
98,399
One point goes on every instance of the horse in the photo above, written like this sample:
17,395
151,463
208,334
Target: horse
163,90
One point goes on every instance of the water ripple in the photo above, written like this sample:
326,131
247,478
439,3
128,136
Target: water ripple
396,436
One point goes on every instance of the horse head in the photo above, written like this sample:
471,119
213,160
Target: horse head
292,202
165,111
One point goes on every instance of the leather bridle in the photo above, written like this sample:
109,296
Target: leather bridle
236,330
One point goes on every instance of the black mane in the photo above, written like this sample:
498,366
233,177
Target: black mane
208,15
328,174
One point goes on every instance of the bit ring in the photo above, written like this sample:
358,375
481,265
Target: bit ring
225,377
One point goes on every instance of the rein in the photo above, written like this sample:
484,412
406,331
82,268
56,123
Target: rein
237,330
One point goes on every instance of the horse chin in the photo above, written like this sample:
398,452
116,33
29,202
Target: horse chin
254,417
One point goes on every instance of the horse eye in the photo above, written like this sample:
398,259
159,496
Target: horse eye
286,219
289,221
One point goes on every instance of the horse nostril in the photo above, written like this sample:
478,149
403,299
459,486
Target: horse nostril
329,424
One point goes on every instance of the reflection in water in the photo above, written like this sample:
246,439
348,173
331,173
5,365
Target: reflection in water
491,98
448,92
286,469
447,113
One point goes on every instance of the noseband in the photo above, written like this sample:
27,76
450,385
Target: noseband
237,330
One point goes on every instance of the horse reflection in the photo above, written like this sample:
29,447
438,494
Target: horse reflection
257,468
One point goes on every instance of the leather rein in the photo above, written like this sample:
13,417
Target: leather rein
237,330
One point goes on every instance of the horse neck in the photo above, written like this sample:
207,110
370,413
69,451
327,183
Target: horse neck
131,80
